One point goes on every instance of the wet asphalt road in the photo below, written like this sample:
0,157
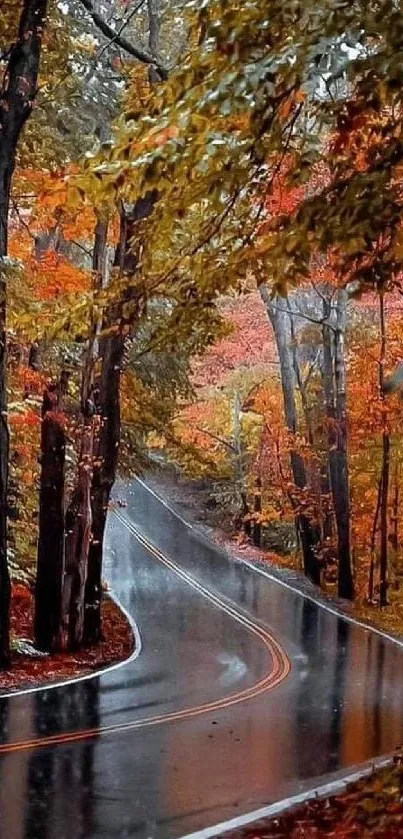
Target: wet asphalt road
341,704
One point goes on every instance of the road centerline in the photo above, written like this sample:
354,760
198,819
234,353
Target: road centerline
279,671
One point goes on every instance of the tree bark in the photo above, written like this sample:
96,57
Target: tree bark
383,560
385,472
342,493
104,475
371,576
106,446
334,385
257,508
239,466
79,516
114,36
308,531
17,95
107,403
153,38
395,515
50,565
77,544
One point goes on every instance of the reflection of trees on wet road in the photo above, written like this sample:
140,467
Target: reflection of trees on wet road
52,787
318,721
341,704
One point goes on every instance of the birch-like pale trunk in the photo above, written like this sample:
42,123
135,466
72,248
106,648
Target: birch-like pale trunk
307,529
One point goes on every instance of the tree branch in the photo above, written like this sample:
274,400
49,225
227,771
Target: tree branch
123,26
127,46
153,35
218,439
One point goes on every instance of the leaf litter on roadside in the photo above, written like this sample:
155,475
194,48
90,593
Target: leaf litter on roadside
371,808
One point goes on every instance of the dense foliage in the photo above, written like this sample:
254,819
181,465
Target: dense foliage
189,216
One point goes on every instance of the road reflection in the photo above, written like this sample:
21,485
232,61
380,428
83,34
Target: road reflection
341,705
49,792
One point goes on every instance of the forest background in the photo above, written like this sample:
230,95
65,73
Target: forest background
200,243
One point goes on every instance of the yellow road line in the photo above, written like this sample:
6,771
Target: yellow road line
281,667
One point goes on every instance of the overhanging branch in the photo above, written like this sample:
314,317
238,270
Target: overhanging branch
137,52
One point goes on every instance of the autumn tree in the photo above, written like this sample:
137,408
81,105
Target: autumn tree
16,102
67,48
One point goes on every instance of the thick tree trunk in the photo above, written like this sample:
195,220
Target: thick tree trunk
77,544
106,459
79,516
319,478
50,565
308,530
82,536
106,447
107,438
17,95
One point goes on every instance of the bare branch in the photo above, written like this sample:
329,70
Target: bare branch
121,28
137,52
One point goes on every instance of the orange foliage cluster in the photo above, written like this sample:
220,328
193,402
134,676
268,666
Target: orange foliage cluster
53,275
28,381
28,418
195,416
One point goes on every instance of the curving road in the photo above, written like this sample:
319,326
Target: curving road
244,693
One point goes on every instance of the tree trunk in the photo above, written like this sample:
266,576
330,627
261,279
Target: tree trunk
334,385
105,465
107,404
17,95
5,585
385,472
257,525
77,544
107,399
50,565
342,489
395,515
308,531
153,38
371,577
79,516
383,559
319,477
239,466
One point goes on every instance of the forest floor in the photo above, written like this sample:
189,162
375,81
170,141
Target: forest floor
371,808
29,670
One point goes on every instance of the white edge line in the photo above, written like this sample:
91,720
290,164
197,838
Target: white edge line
94,673
250,564
330,788
272,809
